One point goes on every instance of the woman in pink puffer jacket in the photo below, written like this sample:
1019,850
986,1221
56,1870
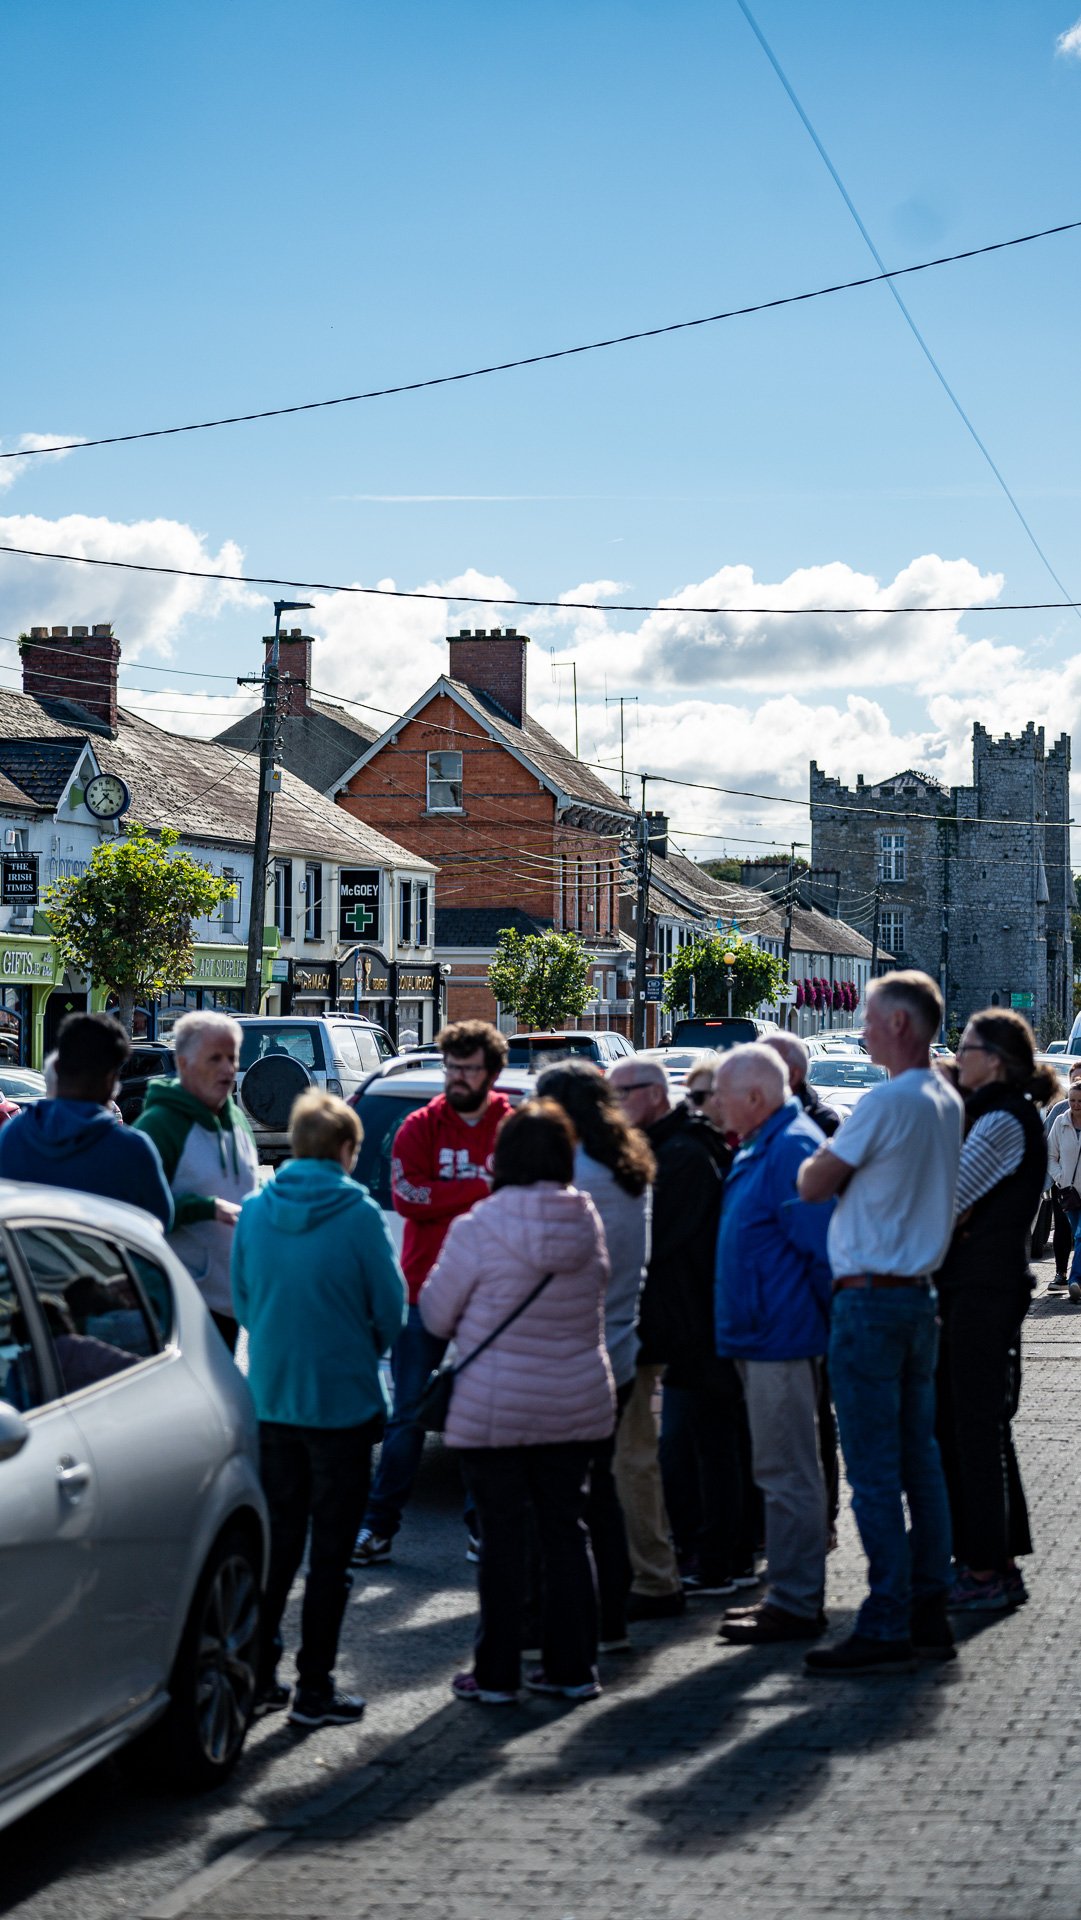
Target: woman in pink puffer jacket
526,1414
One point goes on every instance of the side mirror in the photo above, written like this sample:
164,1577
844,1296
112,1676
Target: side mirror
14,1432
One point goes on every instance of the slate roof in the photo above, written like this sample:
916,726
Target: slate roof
318,747
812,932
40,769
551,758
206,790
481,926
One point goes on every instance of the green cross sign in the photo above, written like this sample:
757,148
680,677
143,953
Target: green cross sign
360,918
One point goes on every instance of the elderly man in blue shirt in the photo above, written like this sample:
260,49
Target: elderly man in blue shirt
772,1319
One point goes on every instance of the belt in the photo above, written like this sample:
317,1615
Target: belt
846,1280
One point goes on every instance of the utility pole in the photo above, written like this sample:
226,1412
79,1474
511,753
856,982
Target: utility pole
874,937
641,923
623,699
573,665
786,948
269,782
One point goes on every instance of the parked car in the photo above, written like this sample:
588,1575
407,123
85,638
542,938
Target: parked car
1055,1046
147,1061
722,1033
843,1080
280,1058
678,1062
383,1103
539,1050
133,1530
23,1085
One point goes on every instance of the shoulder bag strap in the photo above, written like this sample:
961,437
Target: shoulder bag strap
504,1324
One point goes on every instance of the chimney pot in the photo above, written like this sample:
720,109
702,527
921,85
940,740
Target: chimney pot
80,633
39,633
104,631
60,633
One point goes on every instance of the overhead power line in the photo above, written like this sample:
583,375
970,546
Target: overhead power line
889,281
887,274
505,600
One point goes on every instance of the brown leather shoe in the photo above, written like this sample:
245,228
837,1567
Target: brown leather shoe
767,1625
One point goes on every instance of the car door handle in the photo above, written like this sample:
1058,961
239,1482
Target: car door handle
72,1476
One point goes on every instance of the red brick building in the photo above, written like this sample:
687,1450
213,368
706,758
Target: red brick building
522,833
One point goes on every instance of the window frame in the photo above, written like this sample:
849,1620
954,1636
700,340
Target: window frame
889,936
283,898
405,913
313,900
443,780
892,855
45,1351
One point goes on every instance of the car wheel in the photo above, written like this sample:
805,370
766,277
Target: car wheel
199,1739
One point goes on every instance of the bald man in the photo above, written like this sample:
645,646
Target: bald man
772,1319
797,1060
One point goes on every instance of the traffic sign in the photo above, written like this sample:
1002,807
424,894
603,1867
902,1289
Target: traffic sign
1024,1002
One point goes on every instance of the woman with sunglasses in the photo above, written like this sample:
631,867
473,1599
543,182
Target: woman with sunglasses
984,1289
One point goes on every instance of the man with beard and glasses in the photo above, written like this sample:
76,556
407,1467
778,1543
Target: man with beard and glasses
440,1167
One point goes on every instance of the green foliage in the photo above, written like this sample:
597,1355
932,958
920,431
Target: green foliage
542,978
127,920
759,978
721,869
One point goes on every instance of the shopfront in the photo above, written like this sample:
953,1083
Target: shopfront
364,986
216,983
30,968
310,987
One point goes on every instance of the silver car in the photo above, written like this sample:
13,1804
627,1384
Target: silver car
133,1530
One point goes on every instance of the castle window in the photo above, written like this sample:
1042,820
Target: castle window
891,856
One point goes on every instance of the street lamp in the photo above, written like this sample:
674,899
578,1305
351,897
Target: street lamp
268,779
729,959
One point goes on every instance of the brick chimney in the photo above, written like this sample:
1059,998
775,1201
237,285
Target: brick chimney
658,834
295,668
79,667
492,663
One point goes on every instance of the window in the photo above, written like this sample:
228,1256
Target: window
313,901
405,913
444,783
90,1302
891,929
422,914
283,898
229,907
20,1380
301,1043
891,856
157,1291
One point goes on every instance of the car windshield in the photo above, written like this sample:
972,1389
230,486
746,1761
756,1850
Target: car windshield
274,1037
380,1115
845,1073
715,1033
22,1084
540,1049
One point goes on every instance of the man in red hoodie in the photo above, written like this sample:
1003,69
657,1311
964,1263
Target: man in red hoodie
440,1168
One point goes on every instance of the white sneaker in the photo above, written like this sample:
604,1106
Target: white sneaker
369,1548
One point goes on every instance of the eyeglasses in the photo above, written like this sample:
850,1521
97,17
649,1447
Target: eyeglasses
459,1066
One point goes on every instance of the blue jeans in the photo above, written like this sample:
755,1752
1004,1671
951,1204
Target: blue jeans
414,1355
1075,1228
883,1353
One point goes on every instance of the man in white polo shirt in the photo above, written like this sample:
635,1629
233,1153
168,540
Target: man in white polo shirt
894,1164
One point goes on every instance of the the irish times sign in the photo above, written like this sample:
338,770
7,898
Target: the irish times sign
359,894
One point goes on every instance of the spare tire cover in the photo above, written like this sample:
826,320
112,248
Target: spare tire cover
270,1087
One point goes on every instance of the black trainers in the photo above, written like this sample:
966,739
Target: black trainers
324,1709
932,1634
859,1655
273,1697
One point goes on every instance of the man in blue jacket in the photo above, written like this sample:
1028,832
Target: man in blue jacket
76,1140
772,1319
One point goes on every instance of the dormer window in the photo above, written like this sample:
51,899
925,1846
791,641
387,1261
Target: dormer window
444,783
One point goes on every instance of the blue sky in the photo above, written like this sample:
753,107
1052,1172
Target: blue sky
213,208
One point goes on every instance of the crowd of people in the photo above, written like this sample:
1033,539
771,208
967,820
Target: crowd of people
661,1316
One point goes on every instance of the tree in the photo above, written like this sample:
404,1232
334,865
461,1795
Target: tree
542,978
759,978
127,920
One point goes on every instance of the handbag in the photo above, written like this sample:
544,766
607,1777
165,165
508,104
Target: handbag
1068,1197
432,1408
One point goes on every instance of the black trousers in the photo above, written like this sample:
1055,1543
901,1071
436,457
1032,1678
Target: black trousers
705,1460
978,1389
317,1477
1062,1236
514,1488
608,1532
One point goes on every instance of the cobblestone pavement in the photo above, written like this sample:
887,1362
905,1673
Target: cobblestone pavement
720,1780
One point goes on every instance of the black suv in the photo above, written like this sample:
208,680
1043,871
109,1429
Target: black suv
147,1061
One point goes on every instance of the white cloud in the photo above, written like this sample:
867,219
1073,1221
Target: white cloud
1068,44
31,443
147,610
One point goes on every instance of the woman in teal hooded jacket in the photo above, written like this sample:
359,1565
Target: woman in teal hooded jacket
317,1284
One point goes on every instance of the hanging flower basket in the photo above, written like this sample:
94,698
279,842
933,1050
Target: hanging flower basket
799,993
